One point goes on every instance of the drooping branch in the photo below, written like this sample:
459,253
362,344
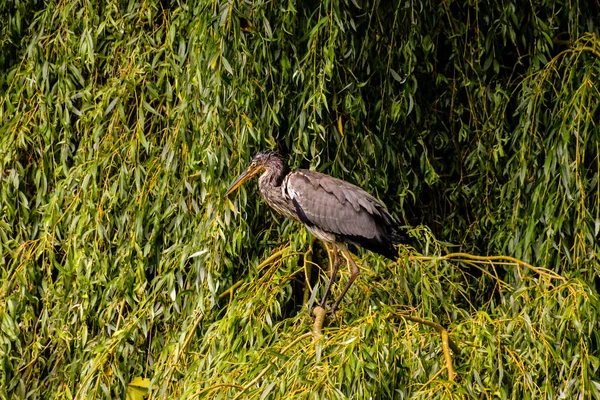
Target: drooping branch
447,343
458,257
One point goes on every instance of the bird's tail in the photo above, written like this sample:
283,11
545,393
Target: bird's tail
398,238
387,247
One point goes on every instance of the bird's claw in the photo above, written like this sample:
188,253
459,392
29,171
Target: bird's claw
332,311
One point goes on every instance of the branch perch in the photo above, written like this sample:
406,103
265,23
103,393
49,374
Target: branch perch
319,313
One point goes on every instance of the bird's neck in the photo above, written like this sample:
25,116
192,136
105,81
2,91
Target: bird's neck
270,187
273,175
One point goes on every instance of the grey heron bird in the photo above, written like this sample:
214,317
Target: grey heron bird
333,210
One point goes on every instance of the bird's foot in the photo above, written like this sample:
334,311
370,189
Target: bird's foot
332,311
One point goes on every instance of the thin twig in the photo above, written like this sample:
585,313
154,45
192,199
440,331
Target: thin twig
231,290
435,326
210,388
271,258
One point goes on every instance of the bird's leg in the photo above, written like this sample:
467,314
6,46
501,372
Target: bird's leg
334,269
353,275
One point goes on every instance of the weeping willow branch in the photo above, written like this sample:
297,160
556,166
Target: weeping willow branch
272,258
466,257
447,343
447,356
231,290
266,369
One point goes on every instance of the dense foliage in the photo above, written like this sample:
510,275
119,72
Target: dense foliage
122,265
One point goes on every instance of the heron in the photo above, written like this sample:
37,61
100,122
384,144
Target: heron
335,211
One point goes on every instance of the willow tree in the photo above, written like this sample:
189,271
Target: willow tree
123,268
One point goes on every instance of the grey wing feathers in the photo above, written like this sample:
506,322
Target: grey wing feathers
337,206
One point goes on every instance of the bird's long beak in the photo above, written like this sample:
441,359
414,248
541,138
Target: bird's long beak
247,174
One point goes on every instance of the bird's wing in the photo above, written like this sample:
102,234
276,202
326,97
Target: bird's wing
337,206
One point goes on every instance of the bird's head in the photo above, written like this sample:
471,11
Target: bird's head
259,163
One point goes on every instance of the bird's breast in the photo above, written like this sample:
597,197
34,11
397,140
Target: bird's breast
321,234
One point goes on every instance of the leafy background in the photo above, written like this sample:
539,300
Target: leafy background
123,122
